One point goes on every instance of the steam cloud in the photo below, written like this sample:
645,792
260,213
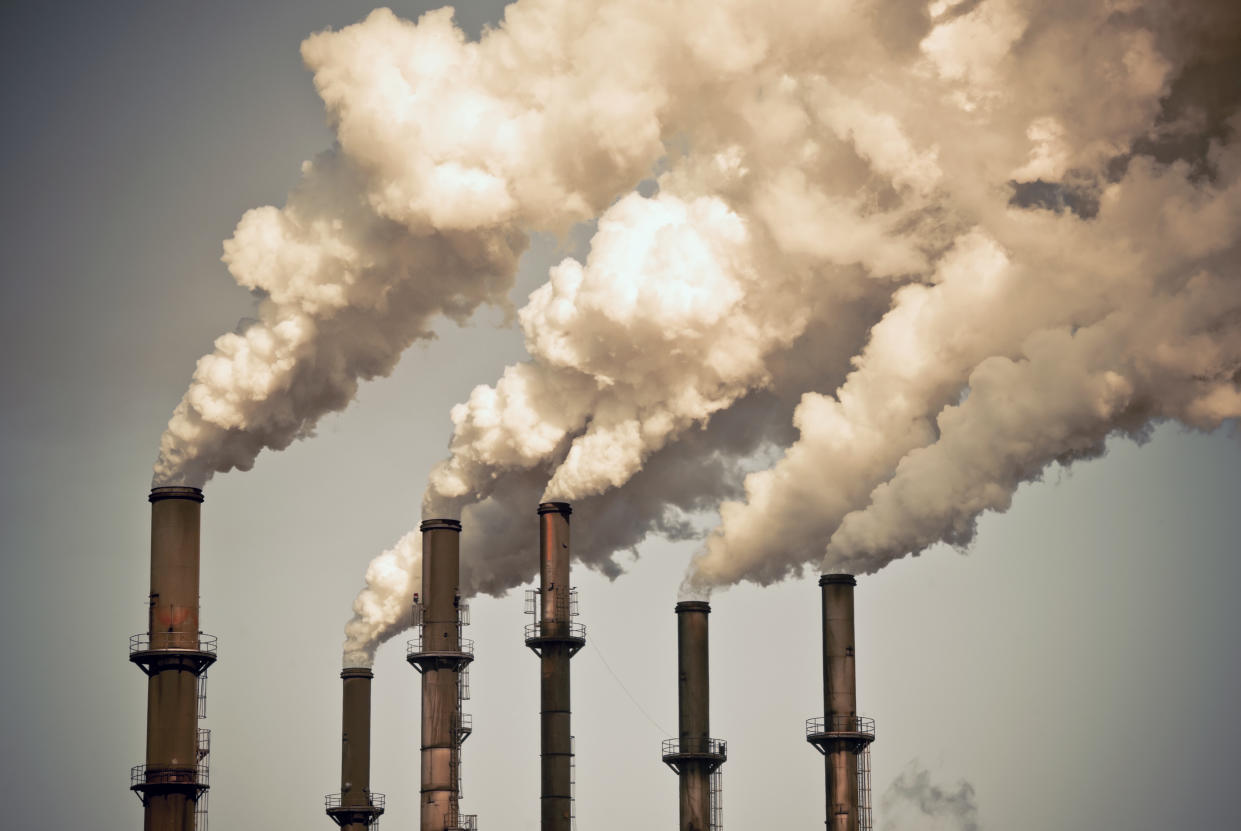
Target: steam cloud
897,258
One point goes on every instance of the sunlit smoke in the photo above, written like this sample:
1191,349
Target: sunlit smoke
892,259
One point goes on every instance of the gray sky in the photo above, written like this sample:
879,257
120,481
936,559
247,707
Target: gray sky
1079,667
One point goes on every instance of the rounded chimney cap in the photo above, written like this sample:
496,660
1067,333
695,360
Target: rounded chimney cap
838,580
555,508
175,492
693,606
357,672
440,524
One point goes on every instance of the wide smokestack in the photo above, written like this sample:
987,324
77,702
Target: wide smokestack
555,638
174,654
694,755
441,655
841,735
355,808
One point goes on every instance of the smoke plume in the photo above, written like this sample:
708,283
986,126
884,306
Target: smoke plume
892,259
912,801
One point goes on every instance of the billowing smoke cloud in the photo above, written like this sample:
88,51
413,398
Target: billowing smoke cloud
912,801
898,258
448,153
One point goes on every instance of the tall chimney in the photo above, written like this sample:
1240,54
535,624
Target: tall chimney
555,638
174,655
355,808
841,735
694,755
441,655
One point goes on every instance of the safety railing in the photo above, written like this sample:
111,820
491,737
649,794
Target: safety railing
462,822
564,606
840,724
463,613
414,646
140,776
559,628
189,641
694,745
463,727
336,801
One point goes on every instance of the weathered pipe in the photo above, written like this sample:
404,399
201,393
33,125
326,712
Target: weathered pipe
441,671
694,709
356,809
170,785
843,742
555,651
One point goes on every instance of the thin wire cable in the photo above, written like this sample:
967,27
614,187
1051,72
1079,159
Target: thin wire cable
621,684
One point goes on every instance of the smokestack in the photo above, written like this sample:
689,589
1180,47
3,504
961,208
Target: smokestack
555,638
441,655
694,755
841,735
355,808
175,655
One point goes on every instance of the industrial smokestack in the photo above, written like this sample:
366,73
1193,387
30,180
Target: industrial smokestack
555,638
694,755
174,654
841,735
441,655
355,808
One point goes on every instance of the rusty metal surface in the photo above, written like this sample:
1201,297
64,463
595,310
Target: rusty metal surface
355,808
173,654
840,735
440,662
694,755
555,634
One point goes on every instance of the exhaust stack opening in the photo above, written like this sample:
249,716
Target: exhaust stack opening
841,735
694,756
174,654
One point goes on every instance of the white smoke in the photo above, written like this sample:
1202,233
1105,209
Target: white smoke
903,256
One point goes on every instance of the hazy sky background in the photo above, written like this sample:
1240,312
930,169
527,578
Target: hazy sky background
1079,668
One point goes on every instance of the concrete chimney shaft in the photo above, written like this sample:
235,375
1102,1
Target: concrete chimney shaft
173,656
555,639
841,735
694,755
441,659
355,808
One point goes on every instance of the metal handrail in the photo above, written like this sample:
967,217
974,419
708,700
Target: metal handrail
414,646
840,724
187,775
462,822
189,641
335,800
694,744
571,629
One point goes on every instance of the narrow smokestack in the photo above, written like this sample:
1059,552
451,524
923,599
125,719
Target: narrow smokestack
555,638
694,755
355,808
441,655
175,655
841,735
